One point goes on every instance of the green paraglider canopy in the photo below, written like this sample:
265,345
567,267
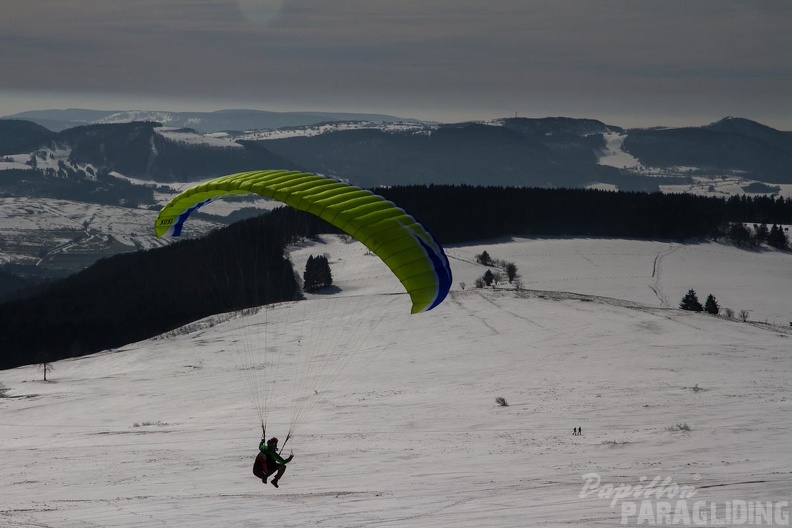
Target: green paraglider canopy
411,252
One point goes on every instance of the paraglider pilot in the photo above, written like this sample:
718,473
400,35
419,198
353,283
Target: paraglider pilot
268,461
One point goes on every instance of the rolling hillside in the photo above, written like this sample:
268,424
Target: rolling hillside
163,432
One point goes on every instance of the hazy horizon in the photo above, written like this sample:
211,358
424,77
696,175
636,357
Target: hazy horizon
28,104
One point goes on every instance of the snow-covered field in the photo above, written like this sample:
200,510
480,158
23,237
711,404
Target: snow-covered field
163,432
724,187
55,232
72,235
324,128
196,138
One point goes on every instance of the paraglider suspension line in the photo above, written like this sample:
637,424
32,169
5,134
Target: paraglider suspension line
288,435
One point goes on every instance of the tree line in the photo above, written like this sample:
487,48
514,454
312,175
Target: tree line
457,214
134,296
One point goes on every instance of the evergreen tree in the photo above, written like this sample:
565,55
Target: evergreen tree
740,235
690,302
777,238
484,258
711,306
317,274
488,277
761,232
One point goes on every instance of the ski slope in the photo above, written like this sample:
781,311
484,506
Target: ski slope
162,433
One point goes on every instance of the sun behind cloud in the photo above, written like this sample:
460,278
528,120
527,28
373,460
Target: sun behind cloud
260,12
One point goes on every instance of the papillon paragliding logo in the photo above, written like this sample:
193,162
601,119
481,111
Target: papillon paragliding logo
661,501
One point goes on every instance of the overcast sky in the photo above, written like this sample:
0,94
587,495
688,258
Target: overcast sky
626,62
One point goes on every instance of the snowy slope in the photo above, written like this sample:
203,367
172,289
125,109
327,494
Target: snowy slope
195,138
162,432
614,156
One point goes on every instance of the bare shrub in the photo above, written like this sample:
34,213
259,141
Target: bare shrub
500,400
728,312
744,315
4,390
679,427
616,443
150,424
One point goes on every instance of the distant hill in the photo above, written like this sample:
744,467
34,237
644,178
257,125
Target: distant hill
522,152
17,136
747,128
71,197
727,145
221,120
135,149
373,151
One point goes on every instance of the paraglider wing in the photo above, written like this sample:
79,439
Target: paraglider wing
411,252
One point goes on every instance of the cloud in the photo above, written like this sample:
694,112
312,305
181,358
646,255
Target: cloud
501,53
